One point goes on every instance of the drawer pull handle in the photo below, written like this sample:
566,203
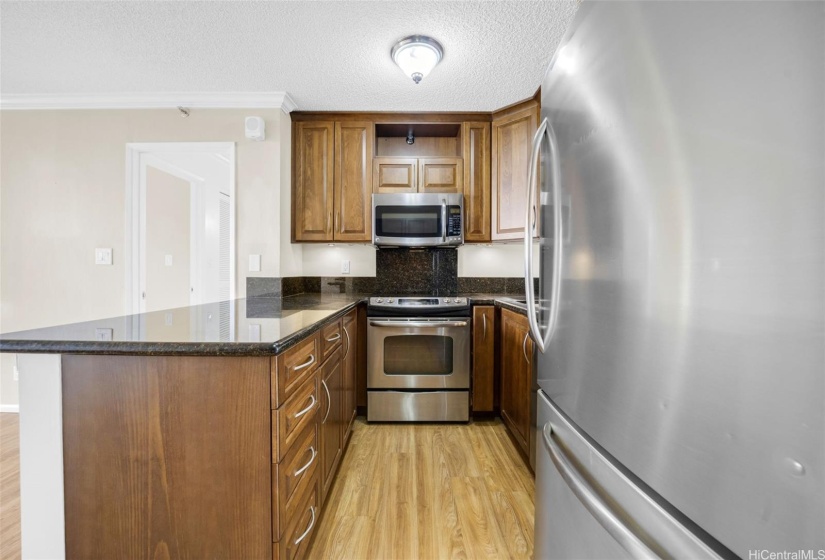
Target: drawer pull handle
309,463
307,409
334,338
311,525
329,400
346,332
524,346
306,364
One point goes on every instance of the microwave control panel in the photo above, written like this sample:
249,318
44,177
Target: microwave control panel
454,221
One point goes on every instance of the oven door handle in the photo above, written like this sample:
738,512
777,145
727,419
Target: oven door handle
421,324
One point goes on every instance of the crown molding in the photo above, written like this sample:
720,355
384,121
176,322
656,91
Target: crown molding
198,100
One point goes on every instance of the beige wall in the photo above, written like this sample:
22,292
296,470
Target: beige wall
167,233
62,193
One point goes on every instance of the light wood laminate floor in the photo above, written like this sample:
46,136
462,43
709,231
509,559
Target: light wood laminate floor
422,491
428,491
9,486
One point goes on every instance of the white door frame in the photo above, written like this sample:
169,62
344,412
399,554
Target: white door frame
137,156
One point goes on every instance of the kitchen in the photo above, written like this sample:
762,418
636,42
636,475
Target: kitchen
674,265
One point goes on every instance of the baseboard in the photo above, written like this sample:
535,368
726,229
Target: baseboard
10,408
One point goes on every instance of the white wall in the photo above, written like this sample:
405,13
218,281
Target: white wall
62,193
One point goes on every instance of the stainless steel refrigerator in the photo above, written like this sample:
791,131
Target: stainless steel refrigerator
681,202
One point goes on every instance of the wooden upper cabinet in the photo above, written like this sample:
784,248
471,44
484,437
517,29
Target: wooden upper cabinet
476,150
354,143
395,175
312,181
512,137
440,175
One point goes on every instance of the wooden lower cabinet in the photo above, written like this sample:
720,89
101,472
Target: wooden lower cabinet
204,456
484,335
167,456
330,376
350,365
516,374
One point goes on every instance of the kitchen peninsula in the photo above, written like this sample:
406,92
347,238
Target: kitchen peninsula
184,434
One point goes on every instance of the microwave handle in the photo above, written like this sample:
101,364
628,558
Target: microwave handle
443,220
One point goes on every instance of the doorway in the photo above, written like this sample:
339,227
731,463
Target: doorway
181,233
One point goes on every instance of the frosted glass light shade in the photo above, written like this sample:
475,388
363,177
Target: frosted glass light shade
417,55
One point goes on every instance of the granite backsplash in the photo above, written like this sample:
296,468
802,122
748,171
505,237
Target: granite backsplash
398,272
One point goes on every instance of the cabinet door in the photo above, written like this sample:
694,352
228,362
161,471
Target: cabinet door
483,357
476,150
329,420
349,358
516,367
394,175
511,144
440,175
312,197
354,142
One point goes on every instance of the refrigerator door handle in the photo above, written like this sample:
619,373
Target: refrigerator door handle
626,535
545,130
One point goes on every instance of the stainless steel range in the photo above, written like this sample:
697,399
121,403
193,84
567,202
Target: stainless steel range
418,359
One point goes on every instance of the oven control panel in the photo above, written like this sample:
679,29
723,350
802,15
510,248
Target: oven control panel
418,302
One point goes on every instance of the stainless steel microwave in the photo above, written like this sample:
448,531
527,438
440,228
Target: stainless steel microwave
418,220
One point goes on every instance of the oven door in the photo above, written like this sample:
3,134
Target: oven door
418,353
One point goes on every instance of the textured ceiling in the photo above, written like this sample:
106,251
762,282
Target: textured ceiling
327,55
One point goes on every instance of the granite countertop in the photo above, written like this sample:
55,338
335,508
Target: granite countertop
254,327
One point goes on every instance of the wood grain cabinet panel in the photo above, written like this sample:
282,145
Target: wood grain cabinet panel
350,364
516,370
292,367
166,456
394,175
484,334
313,199
331,338
512,138
330,419
440,175
291,476
289,421
476,149
302,524
354,145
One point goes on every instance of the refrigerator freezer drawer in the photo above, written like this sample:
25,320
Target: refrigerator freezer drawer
587,508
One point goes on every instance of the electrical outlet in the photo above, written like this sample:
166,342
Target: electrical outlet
254,263
103,255
168,319
344,267
104,334
167,260
254,333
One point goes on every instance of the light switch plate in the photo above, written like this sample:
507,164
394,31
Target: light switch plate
344,267
167,260
104,334
254,333
103,255
168,319
254,263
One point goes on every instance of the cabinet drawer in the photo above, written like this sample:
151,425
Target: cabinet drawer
301,524
331,337
291,368
291,476
289,421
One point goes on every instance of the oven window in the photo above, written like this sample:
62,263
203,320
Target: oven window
418,355
408,221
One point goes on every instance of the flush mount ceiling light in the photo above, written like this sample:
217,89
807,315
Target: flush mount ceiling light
417,55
